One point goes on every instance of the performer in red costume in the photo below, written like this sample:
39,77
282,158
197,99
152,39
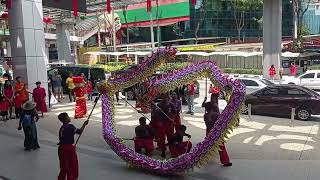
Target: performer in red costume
177,146
177,103
80,92
39,97
211,115
144,137
165,127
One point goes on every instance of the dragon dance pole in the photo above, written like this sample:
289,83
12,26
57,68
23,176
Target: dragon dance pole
94,106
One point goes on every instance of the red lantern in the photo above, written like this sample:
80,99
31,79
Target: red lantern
194,2
75,8
47,20
149,6
109,6
4,15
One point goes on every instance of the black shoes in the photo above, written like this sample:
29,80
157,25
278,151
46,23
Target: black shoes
227,165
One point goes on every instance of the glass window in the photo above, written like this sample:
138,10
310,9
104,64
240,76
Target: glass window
318,75
271,92
308,76
296,92
249,83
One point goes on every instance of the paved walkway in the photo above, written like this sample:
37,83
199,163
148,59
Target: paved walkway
261,148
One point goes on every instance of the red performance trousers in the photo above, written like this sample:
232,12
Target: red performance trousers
181,148
163,130
68,162
224,157
146,144
177,122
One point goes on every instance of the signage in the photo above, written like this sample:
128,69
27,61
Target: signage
208,47
65,4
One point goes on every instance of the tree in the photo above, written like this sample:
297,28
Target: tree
300,7
240,7
124,12
203,9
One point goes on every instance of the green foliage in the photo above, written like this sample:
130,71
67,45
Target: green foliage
314,67
111,66
242,71
305,31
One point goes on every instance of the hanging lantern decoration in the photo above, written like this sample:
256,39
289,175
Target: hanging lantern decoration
47,20
109,6
194,2
75,8
149,6
8,4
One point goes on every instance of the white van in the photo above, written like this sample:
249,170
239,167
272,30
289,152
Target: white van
310,79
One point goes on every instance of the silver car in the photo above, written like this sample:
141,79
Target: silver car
255,84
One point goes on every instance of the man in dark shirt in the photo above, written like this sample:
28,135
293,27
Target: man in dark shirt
67,152
144,137
177,146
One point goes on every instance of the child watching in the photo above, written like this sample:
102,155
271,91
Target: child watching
144,137
4,107
18,101
67,152
177,146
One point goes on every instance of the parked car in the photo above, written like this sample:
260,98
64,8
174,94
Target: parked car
95,73
255,84
310,79
280,99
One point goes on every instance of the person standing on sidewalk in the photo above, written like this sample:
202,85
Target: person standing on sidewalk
70,86
21,89
56,85
8,93
69,167
293,70
28,120
191,91
39,97
272,72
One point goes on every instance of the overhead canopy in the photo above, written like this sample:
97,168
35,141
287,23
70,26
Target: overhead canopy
229,53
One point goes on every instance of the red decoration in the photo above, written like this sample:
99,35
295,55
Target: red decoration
194,2
8,4
109,6
75,8
4,15
149,6
47,20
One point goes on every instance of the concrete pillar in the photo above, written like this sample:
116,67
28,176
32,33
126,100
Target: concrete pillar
63,43
27,42
272,33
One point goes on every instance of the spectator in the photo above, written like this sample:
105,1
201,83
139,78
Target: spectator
22,89
56,85
7,75
4,106
191,90
17,104
272,72
9,95
70,86
84,78
293,70
49,92
28,120
39,97
89,90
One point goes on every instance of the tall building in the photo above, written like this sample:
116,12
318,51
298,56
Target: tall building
312,18
219,20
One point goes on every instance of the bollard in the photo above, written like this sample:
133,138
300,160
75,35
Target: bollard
249,110
293,114
126,99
